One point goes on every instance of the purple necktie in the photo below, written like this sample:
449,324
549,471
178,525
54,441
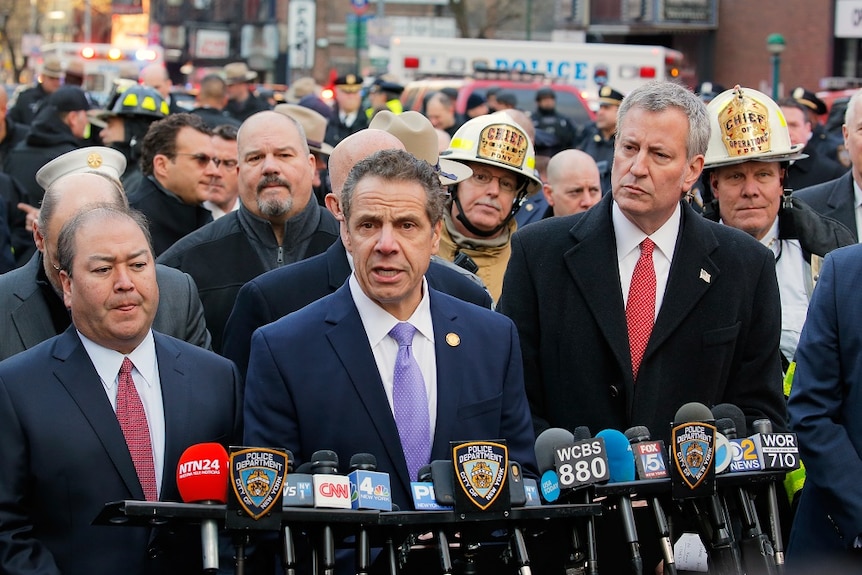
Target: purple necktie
133,422
410,402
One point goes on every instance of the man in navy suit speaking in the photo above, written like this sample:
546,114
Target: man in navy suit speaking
330,375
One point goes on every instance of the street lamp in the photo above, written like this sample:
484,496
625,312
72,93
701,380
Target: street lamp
775,44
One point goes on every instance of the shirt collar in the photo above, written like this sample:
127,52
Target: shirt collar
378,322
107,361
857,193
629,236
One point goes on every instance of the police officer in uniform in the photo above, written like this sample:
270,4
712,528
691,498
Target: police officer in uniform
827,144
347,117
599,140
559,130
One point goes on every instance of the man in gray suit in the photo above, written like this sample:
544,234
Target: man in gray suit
31,301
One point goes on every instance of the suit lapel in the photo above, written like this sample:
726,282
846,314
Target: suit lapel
174,376
692,273
841,200
592,264
32,319
450,372
358,360
76,373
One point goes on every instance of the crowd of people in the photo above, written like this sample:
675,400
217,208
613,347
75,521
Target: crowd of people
369,279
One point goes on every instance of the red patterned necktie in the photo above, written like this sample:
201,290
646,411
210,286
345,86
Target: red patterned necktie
133,422
640,308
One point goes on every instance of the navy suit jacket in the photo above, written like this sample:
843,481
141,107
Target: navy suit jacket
284,290
65,457
313,384
835,199
715,338
825,405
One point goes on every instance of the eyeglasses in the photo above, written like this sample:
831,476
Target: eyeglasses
203,160
507,183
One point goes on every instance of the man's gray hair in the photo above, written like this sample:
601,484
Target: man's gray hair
661,96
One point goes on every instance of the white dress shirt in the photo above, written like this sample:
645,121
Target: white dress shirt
147,382
378,322
629,238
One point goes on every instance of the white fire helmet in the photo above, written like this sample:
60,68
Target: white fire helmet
496,140
746,125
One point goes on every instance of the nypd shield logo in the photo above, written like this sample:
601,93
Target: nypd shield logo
693,451
480,469
257,477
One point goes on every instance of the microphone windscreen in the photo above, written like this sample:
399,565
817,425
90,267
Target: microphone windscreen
726,427
733,412
547,442
290,460
424,473
621,461
202,473
581,432
693,411
324,461
637,434
363,461
304,468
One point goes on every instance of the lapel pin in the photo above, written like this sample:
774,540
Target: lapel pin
453,340
704,275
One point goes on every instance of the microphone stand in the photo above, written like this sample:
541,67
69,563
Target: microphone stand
288,552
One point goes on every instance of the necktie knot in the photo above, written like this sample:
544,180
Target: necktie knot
647,247
126,367
403,333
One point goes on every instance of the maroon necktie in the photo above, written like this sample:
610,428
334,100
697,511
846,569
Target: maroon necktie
640,308
133,422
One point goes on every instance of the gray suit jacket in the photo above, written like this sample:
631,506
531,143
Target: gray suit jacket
25,319
834,199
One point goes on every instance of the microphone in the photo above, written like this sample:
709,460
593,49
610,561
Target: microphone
693,450
650,464
757,551
424,496
546,444
288,549
202,477
764,427
621,466
369,488
330,489
723,450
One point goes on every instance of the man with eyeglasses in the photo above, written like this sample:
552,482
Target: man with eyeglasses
178,170
224,188
478,226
